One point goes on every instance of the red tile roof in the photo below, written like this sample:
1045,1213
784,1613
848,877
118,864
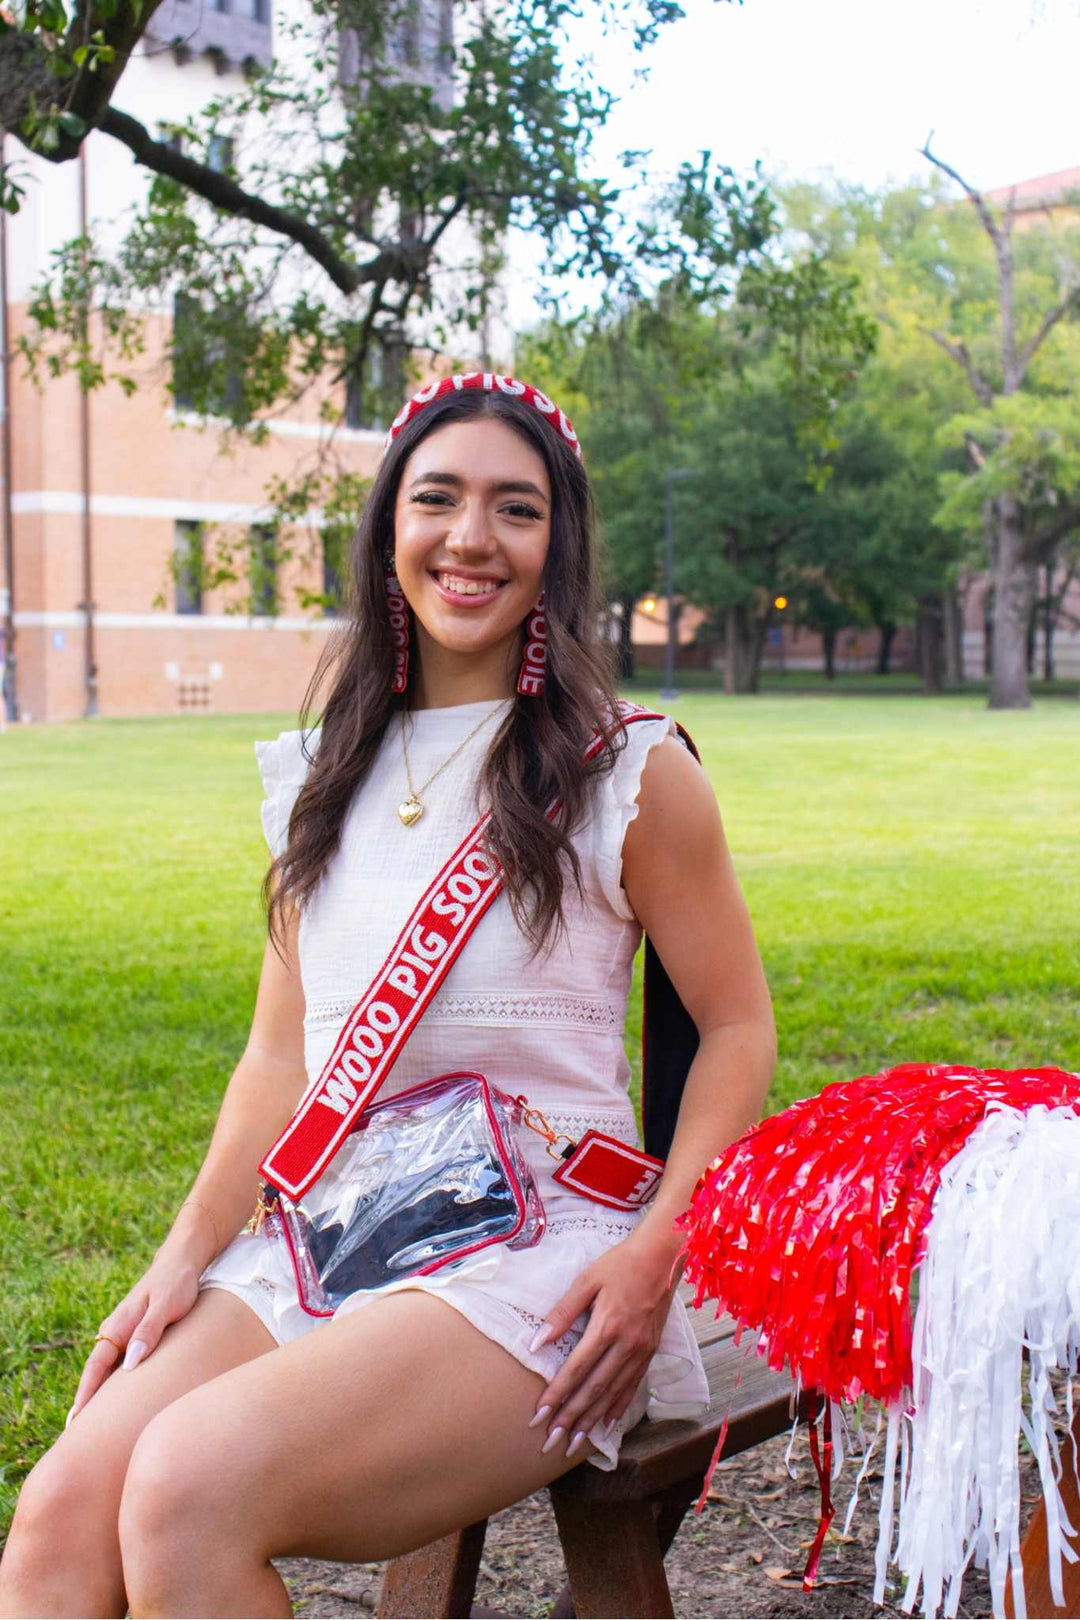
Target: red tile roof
1044,190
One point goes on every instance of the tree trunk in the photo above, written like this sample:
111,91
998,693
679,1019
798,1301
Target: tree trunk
1014,590
1049,624
626,638
731,653
954,638
931,639
740,672
884,657
758,631
828,639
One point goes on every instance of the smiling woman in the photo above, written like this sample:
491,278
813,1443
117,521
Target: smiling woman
470,552
546,826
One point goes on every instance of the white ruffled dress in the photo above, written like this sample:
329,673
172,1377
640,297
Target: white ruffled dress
551,1028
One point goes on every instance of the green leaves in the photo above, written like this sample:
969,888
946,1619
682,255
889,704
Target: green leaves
822,336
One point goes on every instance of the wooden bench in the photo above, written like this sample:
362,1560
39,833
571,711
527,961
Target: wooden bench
615,1528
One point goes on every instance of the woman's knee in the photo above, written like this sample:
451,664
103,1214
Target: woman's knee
64,1517
169,1508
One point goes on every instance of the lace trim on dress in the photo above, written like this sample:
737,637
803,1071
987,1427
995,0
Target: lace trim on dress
612,1231
534,1323
619,1123
553,1008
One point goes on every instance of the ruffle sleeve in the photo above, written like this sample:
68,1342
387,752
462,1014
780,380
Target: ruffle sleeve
284,764
618,805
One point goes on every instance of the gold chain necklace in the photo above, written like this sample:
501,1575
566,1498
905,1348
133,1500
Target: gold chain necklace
412,809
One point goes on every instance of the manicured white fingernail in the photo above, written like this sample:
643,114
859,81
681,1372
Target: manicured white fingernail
134,1354
578,1440
71,1414
541,1338
558,1433
541,1413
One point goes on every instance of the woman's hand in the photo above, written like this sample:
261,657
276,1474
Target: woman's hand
627,1293
162,1295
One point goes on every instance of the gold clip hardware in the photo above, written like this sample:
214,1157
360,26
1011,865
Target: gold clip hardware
535,1120
258,1215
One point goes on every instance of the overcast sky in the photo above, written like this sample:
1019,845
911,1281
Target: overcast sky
851,88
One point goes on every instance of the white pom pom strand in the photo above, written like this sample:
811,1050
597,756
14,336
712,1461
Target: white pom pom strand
1001,1275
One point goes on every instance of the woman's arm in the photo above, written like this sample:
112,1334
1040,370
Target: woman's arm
679,879
258,1102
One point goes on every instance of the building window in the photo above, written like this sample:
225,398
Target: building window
203,378
363,398
219,153
406,46
370,401
332,572
262,568
185,310
188,566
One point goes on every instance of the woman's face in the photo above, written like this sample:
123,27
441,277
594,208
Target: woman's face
472,525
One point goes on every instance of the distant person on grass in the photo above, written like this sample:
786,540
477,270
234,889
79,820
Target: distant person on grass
218,1424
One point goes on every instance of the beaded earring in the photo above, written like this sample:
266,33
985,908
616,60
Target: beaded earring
534,658
399,629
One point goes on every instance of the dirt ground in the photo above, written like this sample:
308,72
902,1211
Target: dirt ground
742,1557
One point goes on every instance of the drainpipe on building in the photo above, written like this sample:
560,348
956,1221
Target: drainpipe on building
8,686
87,603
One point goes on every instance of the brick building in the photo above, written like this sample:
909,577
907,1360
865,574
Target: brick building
110,493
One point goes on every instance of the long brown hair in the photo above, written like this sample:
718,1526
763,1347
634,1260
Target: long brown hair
535,756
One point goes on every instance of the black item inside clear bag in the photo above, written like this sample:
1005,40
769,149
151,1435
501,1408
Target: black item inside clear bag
426,1178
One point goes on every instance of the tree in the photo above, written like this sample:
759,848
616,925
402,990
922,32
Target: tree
763,445
1022,487
346,163
634,379
913,256
359,212
739,387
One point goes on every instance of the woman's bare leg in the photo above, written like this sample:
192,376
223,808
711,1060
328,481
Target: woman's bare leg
63,1553
390,1427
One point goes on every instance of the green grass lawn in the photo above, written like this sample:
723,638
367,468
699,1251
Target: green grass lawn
910,865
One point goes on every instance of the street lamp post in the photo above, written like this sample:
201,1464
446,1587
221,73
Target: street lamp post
669,689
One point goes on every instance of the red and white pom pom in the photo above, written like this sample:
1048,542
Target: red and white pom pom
809,1230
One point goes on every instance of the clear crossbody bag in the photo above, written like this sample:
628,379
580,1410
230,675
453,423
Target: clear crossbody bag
424,1179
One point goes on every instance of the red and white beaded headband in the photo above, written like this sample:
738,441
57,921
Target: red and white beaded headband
490,383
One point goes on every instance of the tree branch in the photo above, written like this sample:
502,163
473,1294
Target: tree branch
1068,304
990,224
231,198
1041,544
958,351
27,79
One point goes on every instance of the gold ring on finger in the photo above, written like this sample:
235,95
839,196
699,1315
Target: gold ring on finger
99,1336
